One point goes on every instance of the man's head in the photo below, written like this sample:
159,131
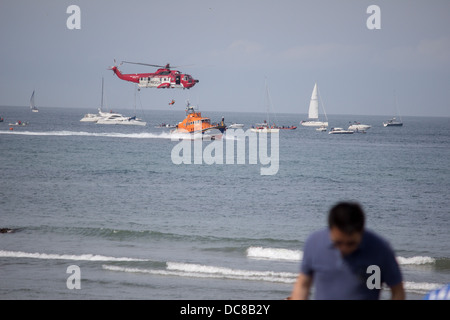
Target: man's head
346,223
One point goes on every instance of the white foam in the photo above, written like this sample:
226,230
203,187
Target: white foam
297,255
205,271
82,257
418,260
142,135
274,254
421,287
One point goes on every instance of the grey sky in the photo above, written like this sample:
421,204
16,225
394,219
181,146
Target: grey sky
231,47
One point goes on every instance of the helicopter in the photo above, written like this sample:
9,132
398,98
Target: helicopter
164,77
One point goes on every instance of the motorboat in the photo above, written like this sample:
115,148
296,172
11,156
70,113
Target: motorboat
358,127
117,118
236,126
195,125
340,131
313,111
322,128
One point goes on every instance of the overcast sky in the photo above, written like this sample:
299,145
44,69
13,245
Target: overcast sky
231,47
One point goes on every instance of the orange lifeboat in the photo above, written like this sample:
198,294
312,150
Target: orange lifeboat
194,123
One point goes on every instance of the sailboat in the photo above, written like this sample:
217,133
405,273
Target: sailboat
313,112
394,122
265,126
94,117
117,118
32,104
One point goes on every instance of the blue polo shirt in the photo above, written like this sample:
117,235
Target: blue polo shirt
340,277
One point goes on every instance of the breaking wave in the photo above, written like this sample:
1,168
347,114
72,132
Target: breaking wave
215,272
297,255
274,254
142,135
81,257
418,260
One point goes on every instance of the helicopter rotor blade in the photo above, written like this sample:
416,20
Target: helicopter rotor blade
167,66
144,64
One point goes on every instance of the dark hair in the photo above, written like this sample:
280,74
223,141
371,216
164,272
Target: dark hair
348,217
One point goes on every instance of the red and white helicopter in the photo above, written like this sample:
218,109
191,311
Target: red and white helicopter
164,77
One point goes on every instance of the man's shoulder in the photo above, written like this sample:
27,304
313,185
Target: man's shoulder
318,239
374,238
320,234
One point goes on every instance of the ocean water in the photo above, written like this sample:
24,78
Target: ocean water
110,201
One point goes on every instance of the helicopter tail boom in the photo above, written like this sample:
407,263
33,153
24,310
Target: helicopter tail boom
126,77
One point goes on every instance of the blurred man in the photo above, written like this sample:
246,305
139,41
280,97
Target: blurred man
346,261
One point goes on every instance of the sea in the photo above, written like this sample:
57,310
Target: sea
107,212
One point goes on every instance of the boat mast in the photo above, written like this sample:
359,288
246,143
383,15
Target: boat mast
396,106
321,102
101,105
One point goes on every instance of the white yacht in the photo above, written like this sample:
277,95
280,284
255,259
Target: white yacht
117,118
236,126
358,127
340,131
94,117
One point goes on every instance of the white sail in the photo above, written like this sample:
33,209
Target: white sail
313,112
32,104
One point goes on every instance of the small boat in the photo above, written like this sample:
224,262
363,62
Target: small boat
322,128
18,123
393,123
32,104
236,126
194,125
340,131
286,127
358,127
264,128
313,111
165,125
